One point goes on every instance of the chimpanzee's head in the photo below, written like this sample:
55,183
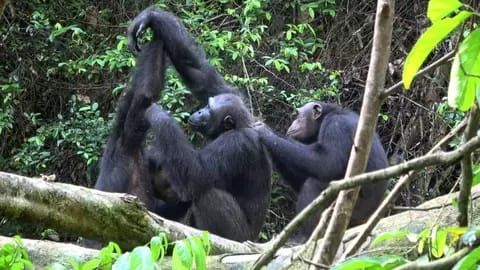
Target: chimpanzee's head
222,113
307,122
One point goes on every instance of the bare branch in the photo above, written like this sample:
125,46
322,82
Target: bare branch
444,59
444,263
467,175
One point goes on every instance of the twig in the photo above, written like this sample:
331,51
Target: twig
245,71
444,263
273,74
447,57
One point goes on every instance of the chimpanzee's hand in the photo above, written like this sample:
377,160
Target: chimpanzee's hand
143,21
262,129
155,114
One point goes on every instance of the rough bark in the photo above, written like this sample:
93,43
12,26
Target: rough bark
92,214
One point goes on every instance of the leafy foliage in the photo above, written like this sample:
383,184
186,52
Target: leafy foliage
427,42
81,134
465,74
465,71
194,249
14,256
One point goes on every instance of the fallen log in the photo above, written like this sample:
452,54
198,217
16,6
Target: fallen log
92,214
435,211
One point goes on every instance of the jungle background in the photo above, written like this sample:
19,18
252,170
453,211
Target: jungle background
63,65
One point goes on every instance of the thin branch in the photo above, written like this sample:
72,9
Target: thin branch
382,209
444,59
248,87
322,201
467,174
444,263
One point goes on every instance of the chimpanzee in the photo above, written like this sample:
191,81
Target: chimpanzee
228,181
125,164
317,152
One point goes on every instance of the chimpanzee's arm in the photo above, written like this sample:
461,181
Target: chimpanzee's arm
180,160
130,128
187,57
147,83
320,160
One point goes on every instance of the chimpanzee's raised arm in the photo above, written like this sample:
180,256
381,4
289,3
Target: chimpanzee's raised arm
186,56
128,134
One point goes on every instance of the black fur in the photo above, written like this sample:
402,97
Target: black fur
322,156
125,165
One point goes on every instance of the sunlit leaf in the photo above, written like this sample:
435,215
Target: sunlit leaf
427,42
439,9
371,263
156,248
465,73
422,239
141,259
206,242
198,253
91,265
389,235
476,174
469,262
182,257
439,241
123,262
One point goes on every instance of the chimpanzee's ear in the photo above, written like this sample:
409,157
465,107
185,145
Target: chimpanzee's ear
228,122
317,111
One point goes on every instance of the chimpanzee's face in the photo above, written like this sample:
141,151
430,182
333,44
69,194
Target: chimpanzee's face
305,126
216,117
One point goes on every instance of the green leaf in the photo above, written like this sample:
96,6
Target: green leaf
141,259
439,9
469,262
182,257
386,262
206,242
123,262
465,73
422,239
389,235
427,42
198,253
311,13
439,241
476,175
91,265
156,246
